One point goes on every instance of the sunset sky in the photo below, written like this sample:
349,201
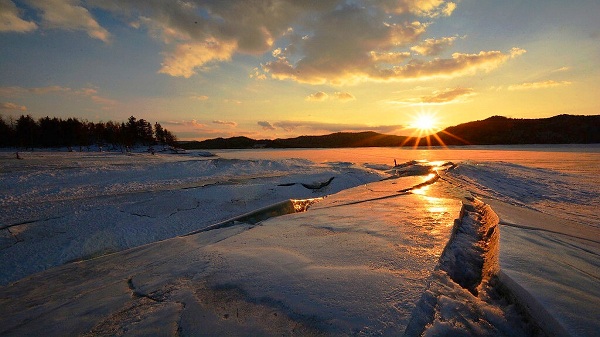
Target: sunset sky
283,68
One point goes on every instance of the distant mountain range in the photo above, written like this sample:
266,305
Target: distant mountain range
496,130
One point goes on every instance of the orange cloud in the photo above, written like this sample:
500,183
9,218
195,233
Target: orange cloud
344,96
307,127
317,97
447,95
199,97
538,85
232,124
187,57
427,8
12,106
433,46
459,65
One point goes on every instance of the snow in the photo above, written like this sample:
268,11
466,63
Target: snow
213,245
61,207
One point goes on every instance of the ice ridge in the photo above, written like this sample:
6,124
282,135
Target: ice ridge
464,296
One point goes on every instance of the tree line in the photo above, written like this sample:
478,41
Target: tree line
46,132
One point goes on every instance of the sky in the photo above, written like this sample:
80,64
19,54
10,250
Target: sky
283,68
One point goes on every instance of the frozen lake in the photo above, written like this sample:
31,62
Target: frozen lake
369,258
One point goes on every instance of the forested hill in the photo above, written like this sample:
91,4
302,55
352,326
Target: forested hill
496,130
561,129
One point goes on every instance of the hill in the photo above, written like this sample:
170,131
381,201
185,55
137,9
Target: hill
561,129
496,130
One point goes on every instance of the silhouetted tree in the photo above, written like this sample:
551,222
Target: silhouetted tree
26,132
7,133
159,133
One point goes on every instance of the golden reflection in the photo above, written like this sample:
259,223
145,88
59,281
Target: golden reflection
421,191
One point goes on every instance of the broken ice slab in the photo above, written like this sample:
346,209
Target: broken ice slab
358,267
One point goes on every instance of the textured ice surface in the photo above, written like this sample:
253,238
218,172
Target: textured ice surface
61,207
356,263
352,271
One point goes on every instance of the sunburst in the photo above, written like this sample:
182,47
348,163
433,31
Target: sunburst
424,124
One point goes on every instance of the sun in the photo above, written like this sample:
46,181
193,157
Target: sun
424,126
424,122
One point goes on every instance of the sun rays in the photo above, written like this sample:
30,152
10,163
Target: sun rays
425,125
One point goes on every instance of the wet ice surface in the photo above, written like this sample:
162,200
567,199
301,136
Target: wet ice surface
364,260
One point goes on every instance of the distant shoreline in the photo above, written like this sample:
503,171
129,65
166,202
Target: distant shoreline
496,130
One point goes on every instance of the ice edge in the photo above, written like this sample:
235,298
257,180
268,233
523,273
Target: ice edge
471,260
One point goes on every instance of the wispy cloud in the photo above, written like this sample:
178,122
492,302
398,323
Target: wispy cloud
344,96
321,96
90,93
448,95
266,125
220,122
307,127
10,20
561,69
538,85
12,106
187,123
317,97
199,97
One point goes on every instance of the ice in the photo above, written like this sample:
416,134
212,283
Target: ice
107,243
61,207
354,263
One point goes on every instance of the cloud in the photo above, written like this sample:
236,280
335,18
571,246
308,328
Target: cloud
233,124
69,15
426,8
199,97
389,57
561,69
350,44
321,96
191,123
460,64
12,106
538,85
10,20
433,46
19,91
447,95
344,96
237,26
90,93
266,125
317,97
257,74
186,58
308,127
316,42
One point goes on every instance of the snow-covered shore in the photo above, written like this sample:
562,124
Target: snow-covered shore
371,258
